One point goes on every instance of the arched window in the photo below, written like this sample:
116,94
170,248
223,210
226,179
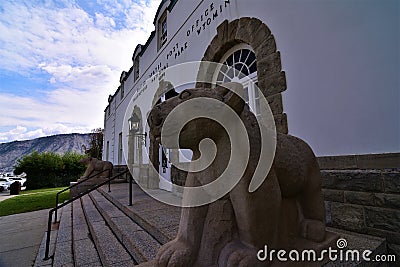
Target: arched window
240,65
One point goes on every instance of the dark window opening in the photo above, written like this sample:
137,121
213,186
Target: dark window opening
170,94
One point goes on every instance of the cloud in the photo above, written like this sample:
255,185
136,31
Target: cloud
104,22
80,76
81,52
69,35
23,133
61,106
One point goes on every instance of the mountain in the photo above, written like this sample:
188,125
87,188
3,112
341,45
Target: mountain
62,143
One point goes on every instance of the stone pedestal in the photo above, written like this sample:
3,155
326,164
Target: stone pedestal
355,242
83,187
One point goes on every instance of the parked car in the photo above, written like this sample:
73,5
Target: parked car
22,181
5,184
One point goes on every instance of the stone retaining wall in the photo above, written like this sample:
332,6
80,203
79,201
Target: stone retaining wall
364,201
366,162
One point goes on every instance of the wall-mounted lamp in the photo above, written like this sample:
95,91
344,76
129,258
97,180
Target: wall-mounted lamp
134,123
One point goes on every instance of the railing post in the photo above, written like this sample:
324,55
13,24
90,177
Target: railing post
130,190
109,182
55,212
46,253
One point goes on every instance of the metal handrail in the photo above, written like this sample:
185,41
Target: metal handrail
69,187
46,255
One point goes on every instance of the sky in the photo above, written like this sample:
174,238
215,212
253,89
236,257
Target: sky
59,61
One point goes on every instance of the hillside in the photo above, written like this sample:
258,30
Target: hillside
12,151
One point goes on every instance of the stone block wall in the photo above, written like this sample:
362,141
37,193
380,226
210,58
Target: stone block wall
364,162
364,201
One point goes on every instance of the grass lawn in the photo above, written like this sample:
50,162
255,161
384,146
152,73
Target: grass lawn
32,200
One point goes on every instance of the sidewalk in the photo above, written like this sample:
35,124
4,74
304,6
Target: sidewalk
20,238
5,195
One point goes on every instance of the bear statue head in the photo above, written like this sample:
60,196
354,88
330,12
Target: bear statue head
213,101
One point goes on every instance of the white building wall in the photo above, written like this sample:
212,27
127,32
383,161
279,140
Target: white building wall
183,22
327,54
152,60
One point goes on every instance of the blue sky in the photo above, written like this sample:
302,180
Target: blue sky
59,61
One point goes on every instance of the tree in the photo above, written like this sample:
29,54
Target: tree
72,168
96,144
49,169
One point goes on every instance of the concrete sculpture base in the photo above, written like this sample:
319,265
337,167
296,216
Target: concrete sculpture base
76,190
356,242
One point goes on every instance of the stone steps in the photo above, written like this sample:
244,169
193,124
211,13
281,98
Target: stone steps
63,252
140,244
109,248
100,229
158,219
84,250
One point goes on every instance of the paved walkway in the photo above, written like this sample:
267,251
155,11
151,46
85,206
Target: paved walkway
5,195
20,237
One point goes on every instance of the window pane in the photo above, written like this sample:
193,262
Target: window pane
229,60
224,68
238,66
231,73
245,70
245,54
253,67
250,59
237,56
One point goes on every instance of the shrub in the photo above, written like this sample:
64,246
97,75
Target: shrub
49,169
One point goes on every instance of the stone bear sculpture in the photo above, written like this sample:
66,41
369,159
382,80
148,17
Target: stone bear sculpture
103,168
286,212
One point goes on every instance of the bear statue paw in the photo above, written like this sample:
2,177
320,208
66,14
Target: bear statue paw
175,254
237,254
